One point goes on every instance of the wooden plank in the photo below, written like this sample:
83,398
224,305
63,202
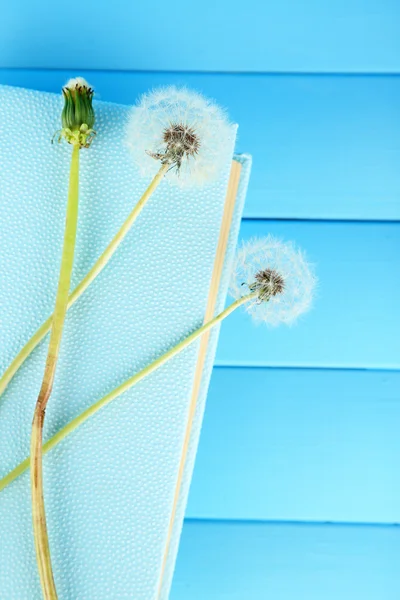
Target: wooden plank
355,320
259,561
279,35
324,147
303,445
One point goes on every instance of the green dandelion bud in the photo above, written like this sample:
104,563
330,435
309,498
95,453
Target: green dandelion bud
77,117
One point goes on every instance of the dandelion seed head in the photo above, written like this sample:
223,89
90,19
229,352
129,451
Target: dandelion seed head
179,127
267,283
181,140
280,276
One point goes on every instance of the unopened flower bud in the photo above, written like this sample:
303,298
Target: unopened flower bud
77,117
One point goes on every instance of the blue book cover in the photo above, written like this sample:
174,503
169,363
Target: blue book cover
115,489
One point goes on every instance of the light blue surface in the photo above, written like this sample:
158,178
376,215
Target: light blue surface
299,444
109,488
261,35
355,321
287,561
324,147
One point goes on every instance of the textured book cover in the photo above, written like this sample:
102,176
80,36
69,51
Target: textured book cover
116,489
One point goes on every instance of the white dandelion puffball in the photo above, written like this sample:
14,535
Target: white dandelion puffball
278,273
179,127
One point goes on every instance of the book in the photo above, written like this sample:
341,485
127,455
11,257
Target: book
115,489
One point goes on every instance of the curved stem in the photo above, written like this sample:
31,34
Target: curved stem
80,419
84,284
38,508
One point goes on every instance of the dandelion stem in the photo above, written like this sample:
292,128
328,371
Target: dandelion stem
84,284
80,419
38,509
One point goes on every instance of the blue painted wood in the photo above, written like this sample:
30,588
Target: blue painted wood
303,445
278,35
259,561
323,147
355,321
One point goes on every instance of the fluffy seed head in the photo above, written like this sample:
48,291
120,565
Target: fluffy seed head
181,128
279,275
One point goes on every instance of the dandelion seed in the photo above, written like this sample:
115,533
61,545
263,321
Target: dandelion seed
182,129
279,275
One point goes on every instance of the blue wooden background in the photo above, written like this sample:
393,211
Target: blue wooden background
296,493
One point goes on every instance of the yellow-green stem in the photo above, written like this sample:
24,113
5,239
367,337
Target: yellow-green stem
72,425
84,284
38,509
